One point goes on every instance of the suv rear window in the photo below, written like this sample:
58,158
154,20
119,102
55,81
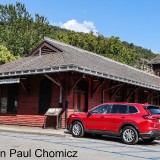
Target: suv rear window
153,109
132,109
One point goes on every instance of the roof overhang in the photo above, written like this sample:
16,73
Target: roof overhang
72,67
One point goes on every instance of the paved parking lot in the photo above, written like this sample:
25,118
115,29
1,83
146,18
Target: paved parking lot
18,145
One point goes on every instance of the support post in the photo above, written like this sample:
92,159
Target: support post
61,92
66,113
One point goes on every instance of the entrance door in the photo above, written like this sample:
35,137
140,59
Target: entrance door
12,103
81,96
45,95
80,101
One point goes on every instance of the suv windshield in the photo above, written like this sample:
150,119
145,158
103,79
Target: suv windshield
153,109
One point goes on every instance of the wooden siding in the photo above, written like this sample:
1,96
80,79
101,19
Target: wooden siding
29,99
28,102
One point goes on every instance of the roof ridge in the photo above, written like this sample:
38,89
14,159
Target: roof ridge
95,54
155,58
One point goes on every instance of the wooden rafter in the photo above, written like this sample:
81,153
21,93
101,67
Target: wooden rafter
25,87
107,89
114,93
53,80
57,78
131,93
57,82
112,87
97,87
76,82
148,96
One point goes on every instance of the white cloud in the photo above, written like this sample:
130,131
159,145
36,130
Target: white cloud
86,26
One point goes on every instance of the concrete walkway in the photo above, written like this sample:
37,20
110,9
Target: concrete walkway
35,130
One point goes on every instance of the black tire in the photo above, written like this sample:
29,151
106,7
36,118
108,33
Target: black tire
148,140
77,129
129,135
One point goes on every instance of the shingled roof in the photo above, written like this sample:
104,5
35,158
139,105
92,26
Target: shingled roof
155,60
69,58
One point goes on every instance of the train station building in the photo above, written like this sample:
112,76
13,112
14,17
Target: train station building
58,75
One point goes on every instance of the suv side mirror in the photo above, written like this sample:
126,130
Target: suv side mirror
89,113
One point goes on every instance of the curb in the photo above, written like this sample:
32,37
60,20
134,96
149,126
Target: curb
37,133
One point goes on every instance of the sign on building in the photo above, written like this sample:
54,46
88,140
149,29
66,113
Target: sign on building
10,81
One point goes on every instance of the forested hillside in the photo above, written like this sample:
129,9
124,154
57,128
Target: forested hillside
20,32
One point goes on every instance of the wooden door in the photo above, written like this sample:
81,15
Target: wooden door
80,102
45,95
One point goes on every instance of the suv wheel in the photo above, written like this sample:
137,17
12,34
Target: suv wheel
77,129
149,140
129,135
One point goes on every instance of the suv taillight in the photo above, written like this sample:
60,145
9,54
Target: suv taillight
149,117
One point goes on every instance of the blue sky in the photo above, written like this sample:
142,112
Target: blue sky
135,21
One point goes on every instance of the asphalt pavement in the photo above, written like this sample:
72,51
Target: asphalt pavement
42,147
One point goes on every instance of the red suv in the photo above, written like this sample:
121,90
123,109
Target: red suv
130,121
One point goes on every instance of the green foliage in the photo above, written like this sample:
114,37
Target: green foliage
6,56
20,33
144,53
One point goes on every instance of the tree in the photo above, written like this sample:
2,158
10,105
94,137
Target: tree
19,31
6,56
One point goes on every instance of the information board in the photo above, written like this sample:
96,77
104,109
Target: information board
53,112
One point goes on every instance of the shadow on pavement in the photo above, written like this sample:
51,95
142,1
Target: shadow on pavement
116,139
154,143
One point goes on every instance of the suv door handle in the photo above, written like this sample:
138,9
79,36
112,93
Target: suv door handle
123,117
